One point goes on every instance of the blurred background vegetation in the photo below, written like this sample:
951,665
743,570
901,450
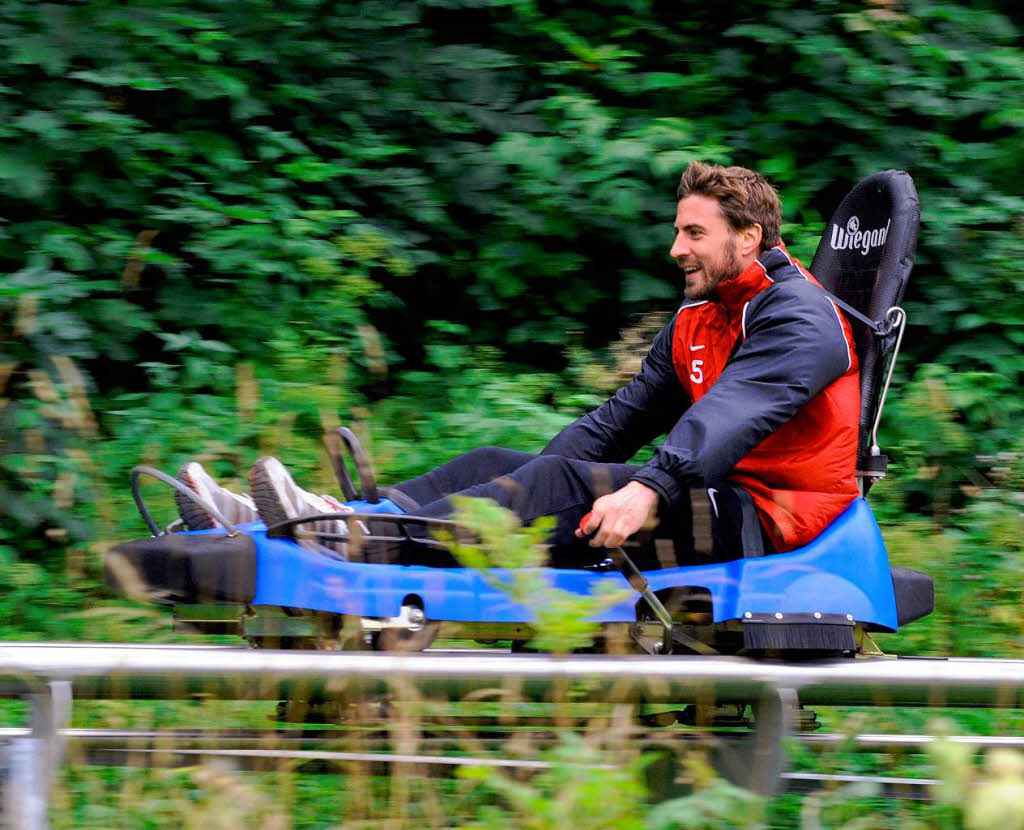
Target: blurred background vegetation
227,227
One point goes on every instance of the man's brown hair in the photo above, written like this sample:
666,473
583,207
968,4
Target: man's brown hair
745,197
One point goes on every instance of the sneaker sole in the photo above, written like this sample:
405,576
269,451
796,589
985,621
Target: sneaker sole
266,496
190,511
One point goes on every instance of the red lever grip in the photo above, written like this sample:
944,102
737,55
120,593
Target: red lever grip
583,521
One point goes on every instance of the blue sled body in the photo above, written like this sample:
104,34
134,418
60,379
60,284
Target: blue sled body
844,571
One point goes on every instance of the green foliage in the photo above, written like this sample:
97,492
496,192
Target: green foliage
571,792
227,227
966,527
248,159
561,619
29,603
716,806
972,791
580,788
464,398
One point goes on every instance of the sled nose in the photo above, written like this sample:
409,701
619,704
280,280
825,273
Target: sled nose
184,568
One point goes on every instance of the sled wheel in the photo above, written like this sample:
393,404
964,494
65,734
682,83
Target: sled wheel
408,639
402,639
409,631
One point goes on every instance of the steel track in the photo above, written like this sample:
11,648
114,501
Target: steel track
185,672
313,752
50,677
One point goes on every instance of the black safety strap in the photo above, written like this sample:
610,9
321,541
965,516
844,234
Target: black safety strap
879,327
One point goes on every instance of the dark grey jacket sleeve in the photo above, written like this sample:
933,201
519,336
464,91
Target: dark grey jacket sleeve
795,347
639,412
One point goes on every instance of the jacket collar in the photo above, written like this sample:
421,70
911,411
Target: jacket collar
755,278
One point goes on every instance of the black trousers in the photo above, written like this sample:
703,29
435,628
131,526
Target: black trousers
721,525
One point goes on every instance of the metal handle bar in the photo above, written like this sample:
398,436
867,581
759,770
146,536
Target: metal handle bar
896,318
364,469
393,518
179,487
638,582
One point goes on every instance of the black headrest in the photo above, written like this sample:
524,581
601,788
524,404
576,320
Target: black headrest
865,257
867,250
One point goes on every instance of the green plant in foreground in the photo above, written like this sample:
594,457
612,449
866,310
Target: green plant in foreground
986,798
578,789
586,786
562,620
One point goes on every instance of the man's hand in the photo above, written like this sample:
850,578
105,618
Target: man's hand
617,516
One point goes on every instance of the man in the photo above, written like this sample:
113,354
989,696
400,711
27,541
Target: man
754,380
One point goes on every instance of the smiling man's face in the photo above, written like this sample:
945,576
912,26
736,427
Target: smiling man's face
706,248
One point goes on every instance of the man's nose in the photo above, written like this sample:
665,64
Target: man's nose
679,248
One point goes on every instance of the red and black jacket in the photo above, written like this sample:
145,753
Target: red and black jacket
759,388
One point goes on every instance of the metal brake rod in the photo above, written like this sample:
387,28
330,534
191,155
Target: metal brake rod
125,671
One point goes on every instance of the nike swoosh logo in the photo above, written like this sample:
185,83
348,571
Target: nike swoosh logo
696,348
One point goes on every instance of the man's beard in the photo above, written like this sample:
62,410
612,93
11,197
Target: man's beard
712,272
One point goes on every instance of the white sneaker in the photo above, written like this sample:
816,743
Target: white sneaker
235,507
278,498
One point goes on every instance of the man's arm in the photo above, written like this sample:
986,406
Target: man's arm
795,347
639,412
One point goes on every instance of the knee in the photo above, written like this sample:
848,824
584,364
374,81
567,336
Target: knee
485,455
498,459
489,452
547,466
553,462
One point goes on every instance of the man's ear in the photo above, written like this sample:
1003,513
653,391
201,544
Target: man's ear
750,240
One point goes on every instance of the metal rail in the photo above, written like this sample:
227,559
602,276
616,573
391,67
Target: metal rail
313,761
50,675
286,740
270,750
129,671
117,744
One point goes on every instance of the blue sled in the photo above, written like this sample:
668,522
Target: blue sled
841,580
843,571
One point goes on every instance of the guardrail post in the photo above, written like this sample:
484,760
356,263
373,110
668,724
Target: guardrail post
775,720
757,762
32,762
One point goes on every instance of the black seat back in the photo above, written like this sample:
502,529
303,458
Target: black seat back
864,258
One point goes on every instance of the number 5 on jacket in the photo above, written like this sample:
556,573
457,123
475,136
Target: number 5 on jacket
696,372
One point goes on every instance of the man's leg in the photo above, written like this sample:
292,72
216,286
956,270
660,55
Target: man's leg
472,468
713,524
566,488
477,466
